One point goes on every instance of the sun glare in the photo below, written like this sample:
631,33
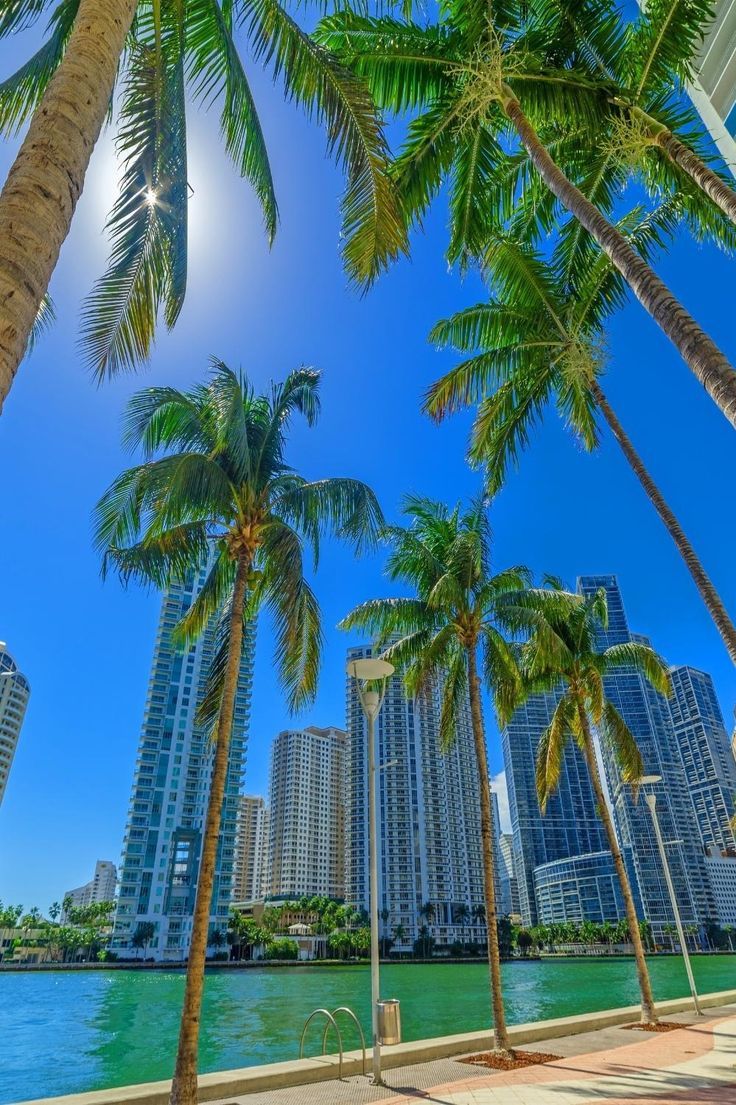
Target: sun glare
151,197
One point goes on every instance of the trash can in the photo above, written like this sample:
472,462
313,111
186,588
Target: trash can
389,1021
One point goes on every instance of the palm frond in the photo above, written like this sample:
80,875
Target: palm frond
147,267
454,699
641,658
384,618
21,93
217,73
617,734
551,751
214,596
295,613
346,507
43,322
373,227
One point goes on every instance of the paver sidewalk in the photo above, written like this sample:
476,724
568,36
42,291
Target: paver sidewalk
694,1065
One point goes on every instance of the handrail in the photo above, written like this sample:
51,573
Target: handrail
349,1012
331,1021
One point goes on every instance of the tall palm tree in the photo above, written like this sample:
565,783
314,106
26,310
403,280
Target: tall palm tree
152,55
448,628
479,78
541,341
562,655
215,491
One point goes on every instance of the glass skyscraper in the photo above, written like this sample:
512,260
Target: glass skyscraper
430,846
709,766
648,716
171,783
570,826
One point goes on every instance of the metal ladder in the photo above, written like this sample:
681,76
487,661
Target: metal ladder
332,1023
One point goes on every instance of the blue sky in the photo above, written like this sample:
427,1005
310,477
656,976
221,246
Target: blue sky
86,647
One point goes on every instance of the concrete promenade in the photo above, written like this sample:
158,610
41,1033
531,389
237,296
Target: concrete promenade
693,1065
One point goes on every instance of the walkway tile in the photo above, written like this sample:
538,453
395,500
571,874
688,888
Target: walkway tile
694,1065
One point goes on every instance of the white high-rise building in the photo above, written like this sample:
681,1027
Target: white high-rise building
430,846
100,888
713,91
251,845
306,838
15,690
171,786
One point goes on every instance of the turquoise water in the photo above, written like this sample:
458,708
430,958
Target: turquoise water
66,1032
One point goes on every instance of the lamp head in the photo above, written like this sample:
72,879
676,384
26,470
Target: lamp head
369,668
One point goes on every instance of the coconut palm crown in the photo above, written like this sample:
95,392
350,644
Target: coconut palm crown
222,496
565,655
541,342
436,637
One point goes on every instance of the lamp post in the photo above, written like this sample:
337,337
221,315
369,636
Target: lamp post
370,676
651,800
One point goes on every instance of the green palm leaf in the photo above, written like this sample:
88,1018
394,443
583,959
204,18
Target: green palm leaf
373,227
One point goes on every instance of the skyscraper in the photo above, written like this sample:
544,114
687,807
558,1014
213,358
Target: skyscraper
171,784
569,828
307,791
503,874
251,848
15,690
648,717
429,852
709,766
100,888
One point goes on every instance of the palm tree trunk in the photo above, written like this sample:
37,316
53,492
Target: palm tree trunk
710,183
702,581
46,180
500,1032
699,352
184,1085
648,1012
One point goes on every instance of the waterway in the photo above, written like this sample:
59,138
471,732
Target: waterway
69,1031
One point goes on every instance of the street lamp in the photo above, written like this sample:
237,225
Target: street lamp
651,800
370,674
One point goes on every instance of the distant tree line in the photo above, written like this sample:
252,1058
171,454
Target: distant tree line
83,936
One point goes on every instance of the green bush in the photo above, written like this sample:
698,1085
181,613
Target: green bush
282,949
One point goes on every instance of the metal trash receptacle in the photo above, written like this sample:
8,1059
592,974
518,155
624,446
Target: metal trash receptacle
389,1021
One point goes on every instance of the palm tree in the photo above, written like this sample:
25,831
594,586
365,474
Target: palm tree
562,656
641,68
477,77
479,914
215,491
152,55
462,916
450,624
540,342
427,911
